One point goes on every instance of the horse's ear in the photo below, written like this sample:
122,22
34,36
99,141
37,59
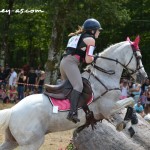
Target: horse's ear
137,39
128,39
136,42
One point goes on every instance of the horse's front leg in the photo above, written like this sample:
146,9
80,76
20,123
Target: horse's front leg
129,116
120,104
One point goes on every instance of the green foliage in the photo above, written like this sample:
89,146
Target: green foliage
139,25
70,146
29,34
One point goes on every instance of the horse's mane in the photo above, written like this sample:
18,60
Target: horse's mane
111,48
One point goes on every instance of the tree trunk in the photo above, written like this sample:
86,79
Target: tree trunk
51,67
4,51
106,137
54,55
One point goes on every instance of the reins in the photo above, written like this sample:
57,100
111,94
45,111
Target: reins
111,72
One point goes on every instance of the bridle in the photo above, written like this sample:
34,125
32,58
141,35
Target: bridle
138,56
131,72
136,53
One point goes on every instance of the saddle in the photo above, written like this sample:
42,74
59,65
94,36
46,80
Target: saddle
63,91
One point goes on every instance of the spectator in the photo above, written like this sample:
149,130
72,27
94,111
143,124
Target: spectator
147,106
139,108
35,91
130,84
12,78
28,92
145,85
32,79
148,93
26,69
7,72
136,91
40,82
38,71
2,77
1,91
4,95
21,81
124,89
143,99
12,94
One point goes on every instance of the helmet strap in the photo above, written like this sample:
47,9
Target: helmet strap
94,33
91,33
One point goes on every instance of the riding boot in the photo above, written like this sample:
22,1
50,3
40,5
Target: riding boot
134,119
128,115
131,115
131,131
73,114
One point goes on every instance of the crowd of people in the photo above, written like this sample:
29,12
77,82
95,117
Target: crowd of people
15,84
139,92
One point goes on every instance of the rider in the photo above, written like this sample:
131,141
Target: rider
80,48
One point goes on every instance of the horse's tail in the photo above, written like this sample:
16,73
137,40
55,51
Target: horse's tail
5,115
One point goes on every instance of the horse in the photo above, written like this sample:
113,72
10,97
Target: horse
26,123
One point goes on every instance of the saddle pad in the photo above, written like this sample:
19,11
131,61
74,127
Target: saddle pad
64,105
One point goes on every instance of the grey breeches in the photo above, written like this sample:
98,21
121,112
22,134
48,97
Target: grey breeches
69,70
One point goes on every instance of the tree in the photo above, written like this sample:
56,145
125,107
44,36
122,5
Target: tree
4,49
58,21
139,25
37,38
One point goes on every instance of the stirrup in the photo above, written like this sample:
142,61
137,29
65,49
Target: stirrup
72,116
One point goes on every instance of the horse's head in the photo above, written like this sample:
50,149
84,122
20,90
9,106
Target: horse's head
134,62
125,55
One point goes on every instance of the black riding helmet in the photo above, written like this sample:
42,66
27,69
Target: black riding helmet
91,24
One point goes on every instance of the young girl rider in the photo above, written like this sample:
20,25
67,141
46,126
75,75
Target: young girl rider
80,48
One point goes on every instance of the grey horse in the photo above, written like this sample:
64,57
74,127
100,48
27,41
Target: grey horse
27,123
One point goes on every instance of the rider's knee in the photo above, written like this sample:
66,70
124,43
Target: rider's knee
79,87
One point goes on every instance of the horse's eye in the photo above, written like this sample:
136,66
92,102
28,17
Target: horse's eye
138,55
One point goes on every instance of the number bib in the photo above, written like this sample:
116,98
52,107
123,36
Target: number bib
73,41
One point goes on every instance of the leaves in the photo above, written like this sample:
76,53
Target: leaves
30,34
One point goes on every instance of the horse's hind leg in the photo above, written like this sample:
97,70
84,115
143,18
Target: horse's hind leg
34,146
10,142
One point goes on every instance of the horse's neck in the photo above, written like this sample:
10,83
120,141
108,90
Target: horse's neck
116,52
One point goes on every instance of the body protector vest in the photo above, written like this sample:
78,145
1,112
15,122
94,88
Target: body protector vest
76,45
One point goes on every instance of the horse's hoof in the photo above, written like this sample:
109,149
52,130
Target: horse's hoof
120,126
131,131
